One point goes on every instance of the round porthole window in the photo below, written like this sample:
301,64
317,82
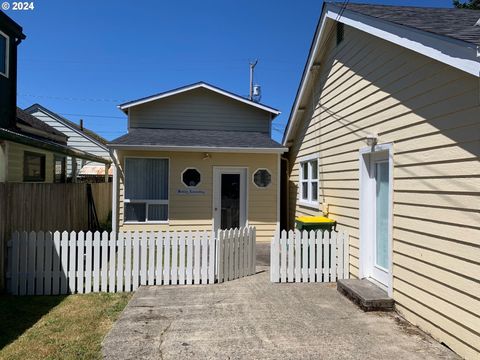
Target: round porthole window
262,178
191,177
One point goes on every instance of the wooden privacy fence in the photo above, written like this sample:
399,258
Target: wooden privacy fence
309,256
37,206
44,263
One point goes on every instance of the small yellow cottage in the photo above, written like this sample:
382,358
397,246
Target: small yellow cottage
197,158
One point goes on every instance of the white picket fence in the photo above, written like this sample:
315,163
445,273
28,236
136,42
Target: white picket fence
309,256
44,263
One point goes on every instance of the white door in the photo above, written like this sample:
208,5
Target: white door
375,217
229,198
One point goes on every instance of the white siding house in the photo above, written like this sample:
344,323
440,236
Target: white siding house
78,137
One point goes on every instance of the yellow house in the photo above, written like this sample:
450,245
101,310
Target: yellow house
384,135
197,158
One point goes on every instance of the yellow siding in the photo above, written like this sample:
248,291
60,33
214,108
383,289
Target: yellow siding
194,212
431,113
15,162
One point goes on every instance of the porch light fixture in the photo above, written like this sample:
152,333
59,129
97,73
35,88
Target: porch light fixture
206,156
372,140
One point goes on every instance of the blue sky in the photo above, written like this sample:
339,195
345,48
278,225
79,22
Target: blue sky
82,58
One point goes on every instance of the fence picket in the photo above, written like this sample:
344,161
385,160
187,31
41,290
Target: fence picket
311,254
340,255
196,261
159,244
15,269
283,256
319,242
143,258
151,259
253,236
326,256
166,258
189,258
220,255
30,275
104,269
80,261
128,262
181,266
40,263
120,261
174,266
204,260
96,262
291,256
298,256
47,289
211,258
111,259
88,262
136,260
304,256
64,263
333,257
23,253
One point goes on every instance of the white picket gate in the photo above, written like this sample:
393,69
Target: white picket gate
45,263
309,256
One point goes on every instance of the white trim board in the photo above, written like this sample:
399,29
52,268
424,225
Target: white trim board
128,105
456,53
200,149
366,221
7,55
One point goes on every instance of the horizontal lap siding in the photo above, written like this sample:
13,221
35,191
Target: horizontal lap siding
199,109
15,162
194,212
430,112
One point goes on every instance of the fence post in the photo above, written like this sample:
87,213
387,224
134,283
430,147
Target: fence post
346,256
274,259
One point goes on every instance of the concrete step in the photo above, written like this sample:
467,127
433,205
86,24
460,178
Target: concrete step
367,295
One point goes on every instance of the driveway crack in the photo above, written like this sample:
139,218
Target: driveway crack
162,338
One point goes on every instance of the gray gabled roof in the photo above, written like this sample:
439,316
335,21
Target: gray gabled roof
173,138
454,23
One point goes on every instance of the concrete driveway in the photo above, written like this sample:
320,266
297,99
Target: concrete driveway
251,318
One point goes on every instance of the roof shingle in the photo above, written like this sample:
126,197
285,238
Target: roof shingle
458,24
196,138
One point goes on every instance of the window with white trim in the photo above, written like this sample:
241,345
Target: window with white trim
4,54
146,190
309,182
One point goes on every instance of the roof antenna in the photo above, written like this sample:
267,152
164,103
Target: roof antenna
252,68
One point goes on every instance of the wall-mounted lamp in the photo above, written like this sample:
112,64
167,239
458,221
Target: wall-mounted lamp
372,139
206,156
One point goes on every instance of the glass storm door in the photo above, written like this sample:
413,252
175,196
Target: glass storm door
381,228
229,198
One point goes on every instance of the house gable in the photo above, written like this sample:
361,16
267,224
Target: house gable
200,108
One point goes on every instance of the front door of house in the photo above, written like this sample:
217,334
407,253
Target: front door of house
229,203
375,216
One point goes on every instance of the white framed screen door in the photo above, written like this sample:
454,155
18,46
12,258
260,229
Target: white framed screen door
229,198
376,192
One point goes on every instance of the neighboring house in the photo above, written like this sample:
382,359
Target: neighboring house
384,134
79,138
30,150
197,158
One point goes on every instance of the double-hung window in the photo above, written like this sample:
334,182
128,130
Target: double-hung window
146,190
4,44
309,182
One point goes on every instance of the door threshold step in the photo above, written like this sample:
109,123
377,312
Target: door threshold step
367,295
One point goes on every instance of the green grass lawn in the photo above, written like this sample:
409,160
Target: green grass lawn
57,327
